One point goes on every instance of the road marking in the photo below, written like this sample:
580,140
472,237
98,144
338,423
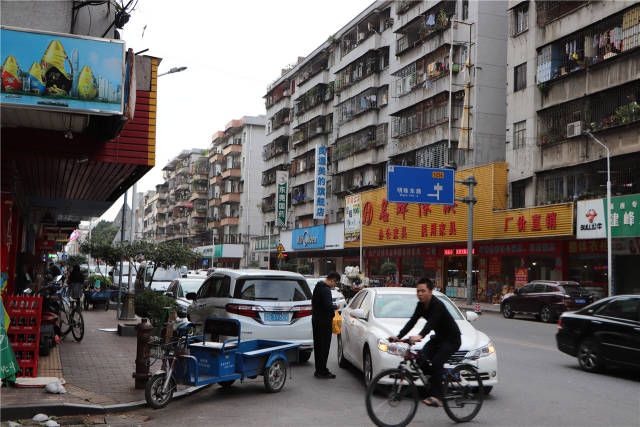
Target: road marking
525,343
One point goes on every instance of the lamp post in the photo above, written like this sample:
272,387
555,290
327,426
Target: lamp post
173,70
610,291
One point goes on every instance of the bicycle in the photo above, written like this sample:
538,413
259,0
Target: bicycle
71,319
393,393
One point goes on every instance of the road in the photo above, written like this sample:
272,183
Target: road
539,386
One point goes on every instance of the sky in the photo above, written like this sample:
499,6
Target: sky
232,50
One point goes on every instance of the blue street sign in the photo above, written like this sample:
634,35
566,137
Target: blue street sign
205,262
420,185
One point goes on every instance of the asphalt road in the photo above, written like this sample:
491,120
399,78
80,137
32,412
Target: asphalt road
539,386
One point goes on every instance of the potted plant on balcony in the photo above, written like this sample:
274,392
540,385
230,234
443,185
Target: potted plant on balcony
443,19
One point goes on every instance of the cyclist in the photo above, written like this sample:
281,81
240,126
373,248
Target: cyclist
444,342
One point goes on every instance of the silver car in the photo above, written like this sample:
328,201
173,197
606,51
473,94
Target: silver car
269,304
179,288
336,296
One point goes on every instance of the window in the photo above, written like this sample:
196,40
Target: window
272,290
465,10
539,287
520,21
527,289
520,77
204,289
518,195
622,308
357,300
519,134
554,188
366,306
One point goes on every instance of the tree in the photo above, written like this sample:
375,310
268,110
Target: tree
167,255
102,251
74,260
104,231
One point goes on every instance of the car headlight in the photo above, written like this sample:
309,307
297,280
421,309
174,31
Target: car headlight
484,351
397,349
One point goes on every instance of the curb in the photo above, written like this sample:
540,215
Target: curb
62,409
482,309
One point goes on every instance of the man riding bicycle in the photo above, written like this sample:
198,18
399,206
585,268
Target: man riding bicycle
444,342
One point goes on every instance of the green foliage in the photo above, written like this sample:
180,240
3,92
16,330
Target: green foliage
74,260
104,231
152,305
167,255
103,251
285,266
304,269
253,264
105,282
388,269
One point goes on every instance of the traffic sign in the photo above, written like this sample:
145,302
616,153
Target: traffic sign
280,248
280,255
407,184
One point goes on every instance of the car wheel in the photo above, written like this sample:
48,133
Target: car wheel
487,389
507,311
367,367
590,355
546,314
342,362
304,356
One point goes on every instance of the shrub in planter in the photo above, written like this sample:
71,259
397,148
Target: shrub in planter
388,269
304,269
105,282
152,305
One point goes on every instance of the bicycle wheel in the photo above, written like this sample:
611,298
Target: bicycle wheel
77,324
392,398
65,322
463,393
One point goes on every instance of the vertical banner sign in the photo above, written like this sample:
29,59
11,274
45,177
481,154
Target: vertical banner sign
352,218
282,183
320,186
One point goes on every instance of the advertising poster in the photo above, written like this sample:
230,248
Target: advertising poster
320,186
352,218
282,183
521,277
60,72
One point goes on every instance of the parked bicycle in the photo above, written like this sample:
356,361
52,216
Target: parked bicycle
392,396
71,319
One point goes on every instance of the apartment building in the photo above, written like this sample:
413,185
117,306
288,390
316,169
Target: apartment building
574,68
387,87
181,204
234,192
149,227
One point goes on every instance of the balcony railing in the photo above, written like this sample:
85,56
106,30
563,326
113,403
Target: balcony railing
548,11
359,69
428,25
427,114
275,148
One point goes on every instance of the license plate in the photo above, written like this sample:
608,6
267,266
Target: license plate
276,317
580,301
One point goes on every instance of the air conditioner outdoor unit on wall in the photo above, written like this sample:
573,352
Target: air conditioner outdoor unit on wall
574,129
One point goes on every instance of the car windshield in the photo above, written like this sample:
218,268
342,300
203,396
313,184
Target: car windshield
163,275
402,306
191,285
272,290
572,289
312,282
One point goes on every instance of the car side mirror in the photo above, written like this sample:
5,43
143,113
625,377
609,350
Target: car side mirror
471,316
191,296
168,294
358,314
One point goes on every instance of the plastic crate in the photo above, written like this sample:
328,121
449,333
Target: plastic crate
24,332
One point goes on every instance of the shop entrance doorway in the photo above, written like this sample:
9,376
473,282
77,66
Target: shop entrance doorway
455,276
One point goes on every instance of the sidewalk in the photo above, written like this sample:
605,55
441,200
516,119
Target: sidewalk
97,372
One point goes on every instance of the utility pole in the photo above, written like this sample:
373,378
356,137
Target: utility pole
470,182
122,225
128,309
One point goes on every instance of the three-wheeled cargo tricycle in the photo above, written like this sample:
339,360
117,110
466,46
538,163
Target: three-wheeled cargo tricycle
194,360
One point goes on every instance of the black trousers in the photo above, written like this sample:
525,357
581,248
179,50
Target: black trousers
321,342
438,352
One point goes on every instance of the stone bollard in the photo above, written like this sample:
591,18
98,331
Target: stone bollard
141,374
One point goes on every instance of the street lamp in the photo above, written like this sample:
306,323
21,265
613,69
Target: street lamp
173,70
609,262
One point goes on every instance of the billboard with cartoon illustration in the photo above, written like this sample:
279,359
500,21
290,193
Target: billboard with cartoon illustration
61,72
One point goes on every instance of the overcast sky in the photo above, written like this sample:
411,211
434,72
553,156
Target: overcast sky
233,50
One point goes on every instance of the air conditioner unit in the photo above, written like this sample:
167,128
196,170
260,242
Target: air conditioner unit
574,129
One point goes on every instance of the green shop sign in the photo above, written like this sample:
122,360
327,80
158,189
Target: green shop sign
625,216
261,243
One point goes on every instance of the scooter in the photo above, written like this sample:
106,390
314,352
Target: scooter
50,324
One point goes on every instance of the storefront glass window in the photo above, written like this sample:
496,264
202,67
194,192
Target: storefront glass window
375,275
590,270
413,268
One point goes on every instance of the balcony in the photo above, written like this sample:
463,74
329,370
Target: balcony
548,11
426,26
230,220
275,148
314,67
231,148
303,209
268,204
233,172
230,198
215,201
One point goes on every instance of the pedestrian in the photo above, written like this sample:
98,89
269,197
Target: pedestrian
322,316
76,283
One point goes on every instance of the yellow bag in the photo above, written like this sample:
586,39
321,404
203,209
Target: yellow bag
336,325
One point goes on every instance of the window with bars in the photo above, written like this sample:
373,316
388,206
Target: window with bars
520,77
519,134
520,19
554,189
426,114
432,156
518,194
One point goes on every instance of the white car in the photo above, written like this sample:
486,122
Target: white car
336,296
375,314
269,304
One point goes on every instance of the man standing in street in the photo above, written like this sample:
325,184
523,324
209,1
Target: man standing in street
323,310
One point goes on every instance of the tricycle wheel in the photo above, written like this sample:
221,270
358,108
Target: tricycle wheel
275,376
153,393
226,384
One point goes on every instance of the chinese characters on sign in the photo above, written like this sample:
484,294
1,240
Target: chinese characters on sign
320,185
282,184
420,185
591,221
523,224
352,218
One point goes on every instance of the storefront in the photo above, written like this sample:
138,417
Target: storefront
221,256
320,248
406,241
588,255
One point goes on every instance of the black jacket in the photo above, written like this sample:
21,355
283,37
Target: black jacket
438,319
322,303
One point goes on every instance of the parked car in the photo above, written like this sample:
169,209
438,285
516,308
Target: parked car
375,314
545,299
336,295
179,288
269,304
161,279
604,333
